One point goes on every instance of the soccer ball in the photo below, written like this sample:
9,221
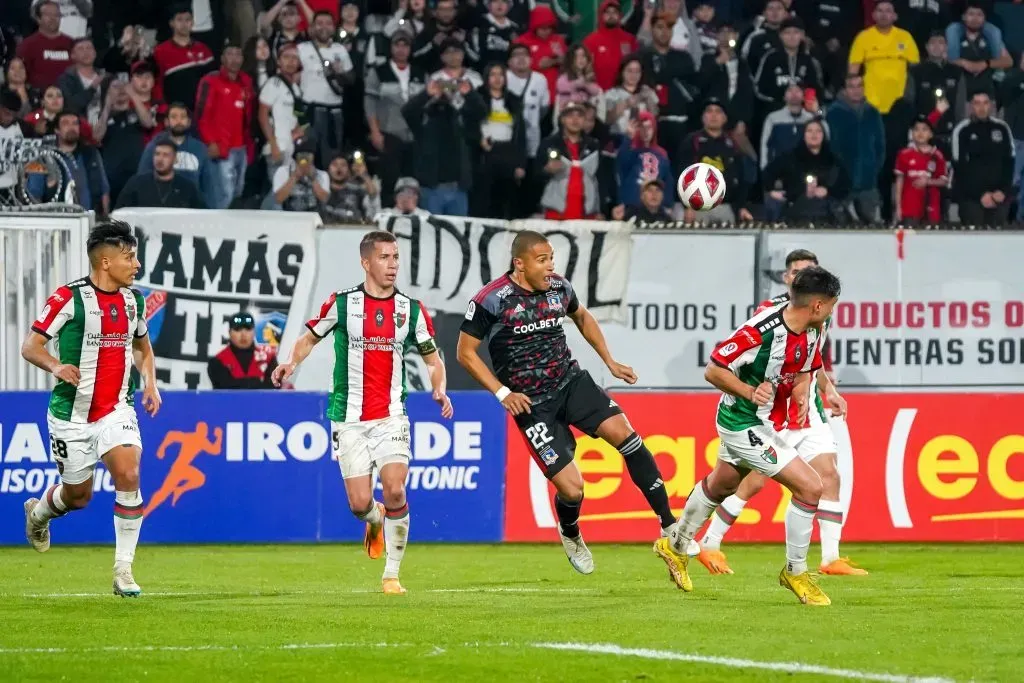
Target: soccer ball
701,187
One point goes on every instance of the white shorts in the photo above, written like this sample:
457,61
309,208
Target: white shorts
759,448
813,441
77,447
360,446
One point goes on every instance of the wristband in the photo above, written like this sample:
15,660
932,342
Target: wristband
502,393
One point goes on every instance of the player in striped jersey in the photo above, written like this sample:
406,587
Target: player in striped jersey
816,445
764,372
373,326
99,328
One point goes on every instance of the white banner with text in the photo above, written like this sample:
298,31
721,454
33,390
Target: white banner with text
201,267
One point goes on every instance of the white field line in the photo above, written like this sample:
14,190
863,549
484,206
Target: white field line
286,592
734,663
434,650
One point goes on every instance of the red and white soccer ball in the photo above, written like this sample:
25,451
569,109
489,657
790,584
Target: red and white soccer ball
701,187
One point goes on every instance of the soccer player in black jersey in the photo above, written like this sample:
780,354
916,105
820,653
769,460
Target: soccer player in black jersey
537,380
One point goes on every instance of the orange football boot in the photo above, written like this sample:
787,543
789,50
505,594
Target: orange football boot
373,541
714,561
842,567
392,587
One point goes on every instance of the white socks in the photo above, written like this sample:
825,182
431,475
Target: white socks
799,524
698,508
50,506
127,525
396,535
830,524
373,515
723,519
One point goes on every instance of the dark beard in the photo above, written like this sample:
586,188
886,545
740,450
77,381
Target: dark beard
178,132
614,23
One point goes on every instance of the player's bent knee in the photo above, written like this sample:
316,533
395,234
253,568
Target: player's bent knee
394,493
359,504
77,496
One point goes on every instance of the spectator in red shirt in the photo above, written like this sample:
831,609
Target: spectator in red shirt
47,52
609,44
547,48
570,161
921,173
181,62
224,113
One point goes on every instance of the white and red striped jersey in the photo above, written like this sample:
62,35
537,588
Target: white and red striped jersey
765,350
371,337
94,331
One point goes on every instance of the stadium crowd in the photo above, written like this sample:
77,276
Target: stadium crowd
507,109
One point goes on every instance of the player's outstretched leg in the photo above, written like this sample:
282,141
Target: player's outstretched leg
830,519
39,512
123,464
568,483
646,476
711,555
805,485
396,524
699,505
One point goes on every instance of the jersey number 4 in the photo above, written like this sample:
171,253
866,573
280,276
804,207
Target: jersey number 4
538,436
754,440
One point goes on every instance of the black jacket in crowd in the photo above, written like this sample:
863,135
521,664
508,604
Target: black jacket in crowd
759,42
827,19
489,43
714,82
510,155
720,152
1011,96
982,158
446,138
789,173
146,190
673,76
426,50
925,78
778,69
922,18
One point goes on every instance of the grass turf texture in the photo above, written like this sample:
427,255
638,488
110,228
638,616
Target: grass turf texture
477,613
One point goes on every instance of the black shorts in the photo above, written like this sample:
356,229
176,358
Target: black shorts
582,404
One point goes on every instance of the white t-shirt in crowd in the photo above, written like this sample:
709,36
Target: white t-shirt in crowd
314,83
202,16
281,100
533,90
282,174
72,23
9,153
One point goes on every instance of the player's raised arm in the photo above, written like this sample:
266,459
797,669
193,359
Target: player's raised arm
591,331
316,329
468,355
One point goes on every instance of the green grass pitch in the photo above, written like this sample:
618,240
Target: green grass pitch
497,613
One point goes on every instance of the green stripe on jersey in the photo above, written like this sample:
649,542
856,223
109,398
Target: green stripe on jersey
69,352
410,341
337,403
133,373
741,413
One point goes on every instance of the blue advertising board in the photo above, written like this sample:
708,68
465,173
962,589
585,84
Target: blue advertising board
256,467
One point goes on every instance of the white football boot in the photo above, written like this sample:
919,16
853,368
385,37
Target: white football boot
124,582
38,536
578,553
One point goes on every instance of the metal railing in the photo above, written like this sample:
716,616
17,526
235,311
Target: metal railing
38,253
